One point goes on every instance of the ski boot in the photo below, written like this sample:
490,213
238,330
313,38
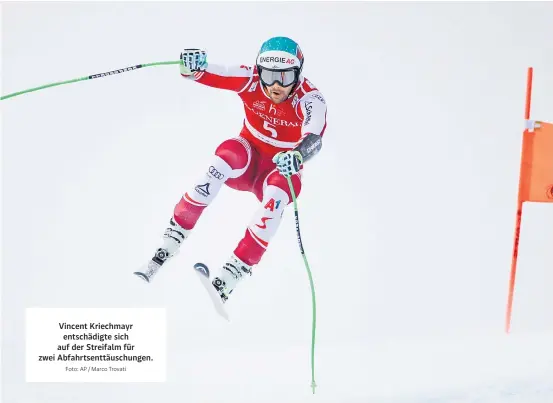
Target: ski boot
220,287
173,237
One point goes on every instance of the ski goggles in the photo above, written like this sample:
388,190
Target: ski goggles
284,78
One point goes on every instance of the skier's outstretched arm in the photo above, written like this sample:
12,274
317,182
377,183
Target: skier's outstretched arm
313,110
195,67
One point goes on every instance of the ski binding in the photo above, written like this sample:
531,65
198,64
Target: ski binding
203,274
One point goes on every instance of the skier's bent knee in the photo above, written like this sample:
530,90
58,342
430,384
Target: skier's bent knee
235,152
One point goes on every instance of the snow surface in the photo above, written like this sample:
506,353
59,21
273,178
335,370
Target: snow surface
407,214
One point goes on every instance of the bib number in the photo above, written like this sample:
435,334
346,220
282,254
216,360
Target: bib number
267,126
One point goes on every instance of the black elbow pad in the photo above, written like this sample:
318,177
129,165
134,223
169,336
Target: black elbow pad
310,145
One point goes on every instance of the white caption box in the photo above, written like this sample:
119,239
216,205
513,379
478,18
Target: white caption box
102,345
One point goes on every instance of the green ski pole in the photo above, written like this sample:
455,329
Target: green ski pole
100,75
314,322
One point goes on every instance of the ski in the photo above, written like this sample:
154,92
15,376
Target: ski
203,274
149,270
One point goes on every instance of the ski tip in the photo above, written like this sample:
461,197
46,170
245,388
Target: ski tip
142,276
202,268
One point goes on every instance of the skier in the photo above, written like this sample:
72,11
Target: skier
285,119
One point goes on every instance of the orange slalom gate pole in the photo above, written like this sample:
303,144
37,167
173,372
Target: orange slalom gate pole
518,222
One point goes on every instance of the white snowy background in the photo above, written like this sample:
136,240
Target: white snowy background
407,214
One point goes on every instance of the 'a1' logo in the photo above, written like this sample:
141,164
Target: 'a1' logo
271,205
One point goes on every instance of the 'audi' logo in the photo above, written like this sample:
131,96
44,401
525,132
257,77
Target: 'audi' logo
216,174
